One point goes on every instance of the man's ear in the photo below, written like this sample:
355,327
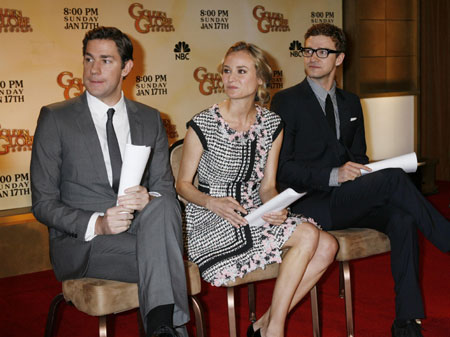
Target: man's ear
340,59
127,68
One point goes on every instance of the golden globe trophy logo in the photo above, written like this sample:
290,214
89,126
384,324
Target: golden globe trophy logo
150,21
209,83
73,86
15,140
270,21
12,20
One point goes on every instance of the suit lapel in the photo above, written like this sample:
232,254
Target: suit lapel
315,109
90,138
136,127
344,112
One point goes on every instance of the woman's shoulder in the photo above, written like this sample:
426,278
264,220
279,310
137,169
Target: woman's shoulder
206,115
269,115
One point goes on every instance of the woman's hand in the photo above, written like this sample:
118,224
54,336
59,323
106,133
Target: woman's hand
226,208
276,218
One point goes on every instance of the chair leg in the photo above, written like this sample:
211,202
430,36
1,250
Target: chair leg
252,302
102,330
341,281
231,312
348,298
315,312
51,317
200,325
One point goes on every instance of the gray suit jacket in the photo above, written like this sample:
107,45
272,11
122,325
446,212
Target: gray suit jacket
69,180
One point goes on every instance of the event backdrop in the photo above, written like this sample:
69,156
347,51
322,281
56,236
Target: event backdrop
178,47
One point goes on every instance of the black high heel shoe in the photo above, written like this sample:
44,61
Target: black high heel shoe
252,333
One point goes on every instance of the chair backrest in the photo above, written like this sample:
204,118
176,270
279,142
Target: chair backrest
175,153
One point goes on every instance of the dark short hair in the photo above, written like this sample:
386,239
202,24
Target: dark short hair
123,42
335,33
263,69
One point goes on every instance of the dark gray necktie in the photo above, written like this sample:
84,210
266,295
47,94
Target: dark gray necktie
329,112
114,150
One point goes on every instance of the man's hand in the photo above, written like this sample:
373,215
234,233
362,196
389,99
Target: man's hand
116,220
135,198
351,171
226,208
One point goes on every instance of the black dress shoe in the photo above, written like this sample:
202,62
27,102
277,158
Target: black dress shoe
165,331
408,328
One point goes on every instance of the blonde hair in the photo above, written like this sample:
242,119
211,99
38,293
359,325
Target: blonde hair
263,69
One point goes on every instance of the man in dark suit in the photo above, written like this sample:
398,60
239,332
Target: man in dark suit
323,153
75,171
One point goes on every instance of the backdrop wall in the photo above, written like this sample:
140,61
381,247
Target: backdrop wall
178,46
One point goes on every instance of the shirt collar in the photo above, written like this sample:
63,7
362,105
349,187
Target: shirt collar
320,91
98,107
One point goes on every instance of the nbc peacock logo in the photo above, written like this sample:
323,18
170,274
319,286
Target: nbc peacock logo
295,48
182,51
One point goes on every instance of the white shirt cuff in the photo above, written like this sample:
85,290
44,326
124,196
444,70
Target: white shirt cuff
90,230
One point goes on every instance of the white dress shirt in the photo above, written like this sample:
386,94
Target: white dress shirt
121,125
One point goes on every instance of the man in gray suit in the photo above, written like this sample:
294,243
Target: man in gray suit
75,170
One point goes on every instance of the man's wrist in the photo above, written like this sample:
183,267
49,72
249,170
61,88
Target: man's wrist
334,177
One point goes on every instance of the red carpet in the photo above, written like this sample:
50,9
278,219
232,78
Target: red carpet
24,300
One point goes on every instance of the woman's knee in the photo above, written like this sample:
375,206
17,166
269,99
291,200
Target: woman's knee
305,236
328,247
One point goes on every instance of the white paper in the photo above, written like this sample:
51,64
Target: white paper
407,162
134,161
282,200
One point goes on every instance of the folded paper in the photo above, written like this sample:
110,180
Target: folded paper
407,162
282,200
134,161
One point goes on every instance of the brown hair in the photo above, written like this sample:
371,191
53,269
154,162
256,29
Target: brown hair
123,42
335,33
263,69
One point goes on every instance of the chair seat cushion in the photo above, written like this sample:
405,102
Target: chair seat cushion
357,243
98,297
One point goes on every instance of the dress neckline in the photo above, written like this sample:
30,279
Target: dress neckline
233,132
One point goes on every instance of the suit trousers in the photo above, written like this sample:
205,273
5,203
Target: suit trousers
388,201
150,253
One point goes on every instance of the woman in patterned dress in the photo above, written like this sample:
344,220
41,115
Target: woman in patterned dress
234,148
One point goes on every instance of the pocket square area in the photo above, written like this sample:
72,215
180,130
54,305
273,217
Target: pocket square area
353,119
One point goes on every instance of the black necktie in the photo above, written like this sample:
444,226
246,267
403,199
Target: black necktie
114,150
329,112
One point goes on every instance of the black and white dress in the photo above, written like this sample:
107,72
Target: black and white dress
232,164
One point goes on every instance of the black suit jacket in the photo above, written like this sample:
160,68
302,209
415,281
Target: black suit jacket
69,180
310,149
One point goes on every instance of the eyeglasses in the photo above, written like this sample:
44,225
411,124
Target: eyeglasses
320,52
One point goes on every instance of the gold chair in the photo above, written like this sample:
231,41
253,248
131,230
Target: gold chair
355,243
270,272
98,297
